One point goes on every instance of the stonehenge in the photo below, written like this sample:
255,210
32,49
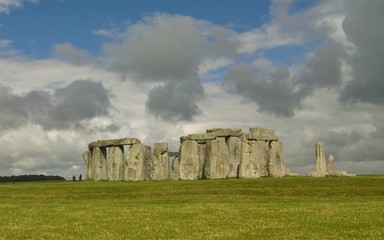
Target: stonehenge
218,153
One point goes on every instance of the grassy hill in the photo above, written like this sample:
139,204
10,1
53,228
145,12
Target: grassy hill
265,208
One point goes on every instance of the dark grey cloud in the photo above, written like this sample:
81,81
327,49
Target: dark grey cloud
175,101
323,70
62,109
362,25
12,113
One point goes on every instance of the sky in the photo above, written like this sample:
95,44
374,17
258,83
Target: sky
72,72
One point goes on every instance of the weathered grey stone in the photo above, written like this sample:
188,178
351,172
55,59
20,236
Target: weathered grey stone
134,169
258,130
87,156
218,153
113,142
115,163
234,151
189,160
201,149
329,165
217,159
175,172
262,137
262,155
276,165
320,160
99,156
201,136
226,132
160,162
148,164
249,163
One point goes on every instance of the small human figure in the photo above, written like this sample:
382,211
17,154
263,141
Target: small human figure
80,177
74,178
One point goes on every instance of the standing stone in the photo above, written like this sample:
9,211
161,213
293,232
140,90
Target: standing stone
189,160
160,162
320,160
175,169
216,159
329,165
276,165
134,170
87,156
148,164
262,156
115,163
99,163
201,148
249,164
234,151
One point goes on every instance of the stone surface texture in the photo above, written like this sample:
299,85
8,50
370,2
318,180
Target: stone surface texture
115,163
189,160
160,162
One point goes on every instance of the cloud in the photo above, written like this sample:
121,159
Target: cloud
271,91
175,101
7,5
69,53
65,108
362,27
280,89
170,49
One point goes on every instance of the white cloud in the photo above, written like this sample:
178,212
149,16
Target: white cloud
7,5
269,36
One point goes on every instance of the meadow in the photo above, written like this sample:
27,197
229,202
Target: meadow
264,208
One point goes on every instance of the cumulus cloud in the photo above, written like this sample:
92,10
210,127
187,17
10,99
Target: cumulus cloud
279,89
64,108
169,49
362,27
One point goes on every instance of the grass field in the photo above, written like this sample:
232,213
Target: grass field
265,208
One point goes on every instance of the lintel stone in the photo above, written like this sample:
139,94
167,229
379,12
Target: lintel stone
202,136
113,142
226,132
264,137
259,130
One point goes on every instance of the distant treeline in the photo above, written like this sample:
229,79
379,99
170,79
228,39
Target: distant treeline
29,178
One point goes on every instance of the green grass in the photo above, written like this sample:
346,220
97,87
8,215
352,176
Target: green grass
265,208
